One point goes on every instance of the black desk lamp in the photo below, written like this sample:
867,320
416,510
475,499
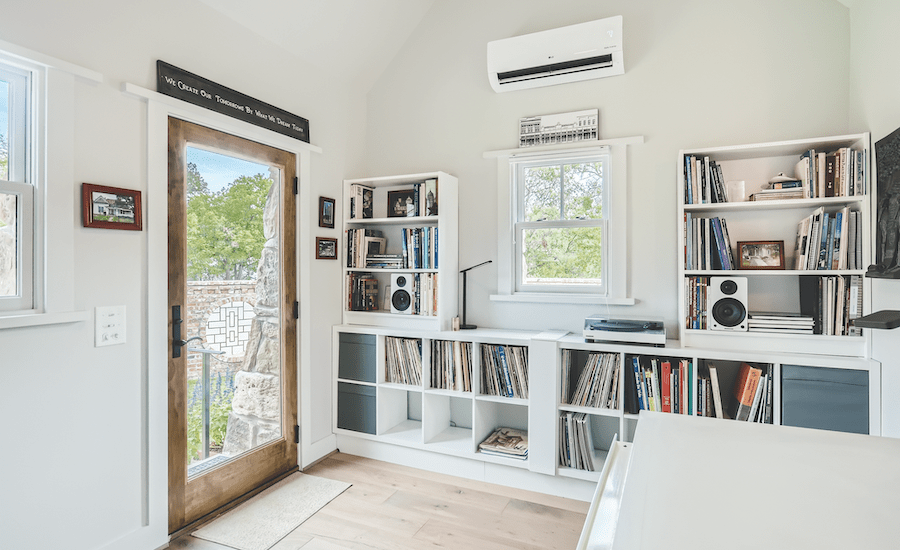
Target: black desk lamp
463,325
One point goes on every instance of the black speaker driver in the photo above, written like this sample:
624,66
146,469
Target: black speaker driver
728,287
401,300
401,280
729,312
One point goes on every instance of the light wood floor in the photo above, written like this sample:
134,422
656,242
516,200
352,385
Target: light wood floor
395,507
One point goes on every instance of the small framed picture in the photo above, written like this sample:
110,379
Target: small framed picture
326,248
110,207
401,204
326,212
761,254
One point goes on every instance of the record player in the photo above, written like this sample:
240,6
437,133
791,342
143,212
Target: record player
632,331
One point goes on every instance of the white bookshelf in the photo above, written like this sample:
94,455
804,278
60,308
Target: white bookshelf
446,222
773,220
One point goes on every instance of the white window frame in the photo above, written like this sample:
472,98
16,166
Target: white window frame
520,225
615,209
49,182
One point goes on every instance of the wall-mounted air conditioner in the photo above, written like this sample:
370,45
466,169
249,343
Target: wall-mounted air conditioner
567,54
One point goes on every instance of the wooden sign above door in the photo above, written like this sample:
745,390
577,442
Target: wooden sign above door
178,83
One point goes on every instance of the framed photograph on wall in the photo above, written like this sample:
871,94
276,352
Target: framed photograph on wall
761,254
326,248
326,212
111,207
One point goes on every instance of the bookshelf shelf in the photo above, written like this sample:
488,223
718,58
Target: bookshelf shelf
591,410
408,220
831,226
517,401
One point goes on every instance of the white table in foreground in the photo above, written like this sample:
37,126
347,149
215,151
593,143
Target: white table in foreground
702,483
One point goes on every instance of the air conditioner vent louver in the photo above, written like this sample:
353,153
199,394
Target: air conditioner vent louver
521,62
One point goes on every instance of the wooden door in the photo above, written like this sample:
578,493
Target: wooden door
257,449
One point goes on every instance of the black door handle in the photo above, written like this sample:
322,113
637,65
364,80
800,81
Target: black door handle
177,342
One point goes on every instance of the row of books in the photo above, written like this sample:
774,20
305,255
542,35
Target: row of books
504,370
660,384
703,181
830,240
750,400
362,292
361,201
506,442
576,442
361,243
840,173
425,198
424,294
695,293
403,360
784,323
707,245
598,383
420,247
833,303
451,365
780,190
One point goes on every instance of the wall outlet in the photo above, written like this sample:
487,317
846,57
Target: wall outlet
109,326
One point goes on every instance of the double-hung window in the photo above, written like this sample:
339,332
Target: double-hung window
17,191
561,223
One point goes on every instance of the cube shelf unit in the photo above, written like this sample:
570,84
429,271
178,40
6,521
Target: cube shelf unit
773,220
447,423
446,222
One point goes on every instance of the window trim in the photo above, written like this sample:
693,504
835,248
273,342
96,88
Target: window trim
519,226
618,276
53,96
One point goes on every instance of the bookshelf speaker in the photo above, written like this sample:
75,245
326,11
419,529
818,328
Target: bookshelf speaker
401,293
727,303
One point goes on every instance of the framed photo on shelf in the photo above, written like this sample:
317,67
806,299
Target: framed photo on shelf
326,212
375,245
326,248
401,204
111,207
761,254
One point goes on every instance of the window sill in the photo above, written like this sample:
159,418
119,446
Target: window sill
40,319
547,298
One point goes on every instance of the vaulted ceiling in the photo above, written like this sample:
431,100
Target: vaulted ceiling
352,40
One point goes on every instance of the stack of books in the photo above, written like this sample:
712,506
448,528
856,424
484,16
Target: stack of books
506,442
384,261
779,193
403,360
786,323
362,292
504,371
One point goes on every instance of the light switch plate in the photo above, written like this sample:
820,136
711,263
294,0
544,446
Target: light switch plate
109,326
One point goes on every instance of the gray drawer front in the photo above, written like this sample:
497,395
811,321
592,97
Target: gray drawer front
356,407
357,357
825,398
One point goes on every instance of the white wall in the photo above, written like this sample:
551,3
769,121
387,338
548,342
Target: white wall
71,460
699,73
875,105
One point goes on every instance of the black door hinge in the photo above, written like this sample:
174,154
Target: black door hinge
296,310
297,434
296,185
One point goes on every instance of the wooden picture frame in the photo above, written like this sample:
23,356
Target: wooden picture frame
761,255
401,204
326,212
111,207
326,248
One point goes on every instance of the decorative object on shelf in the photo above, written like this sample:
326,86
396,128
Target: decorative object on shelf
506,442
559,128
401,204
326,212
463,325
734,191
887,251
111,207
761,254
326,248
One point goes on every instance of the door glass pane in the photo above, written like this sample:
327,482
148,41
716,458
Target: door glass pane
233,306
9,261
562,256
